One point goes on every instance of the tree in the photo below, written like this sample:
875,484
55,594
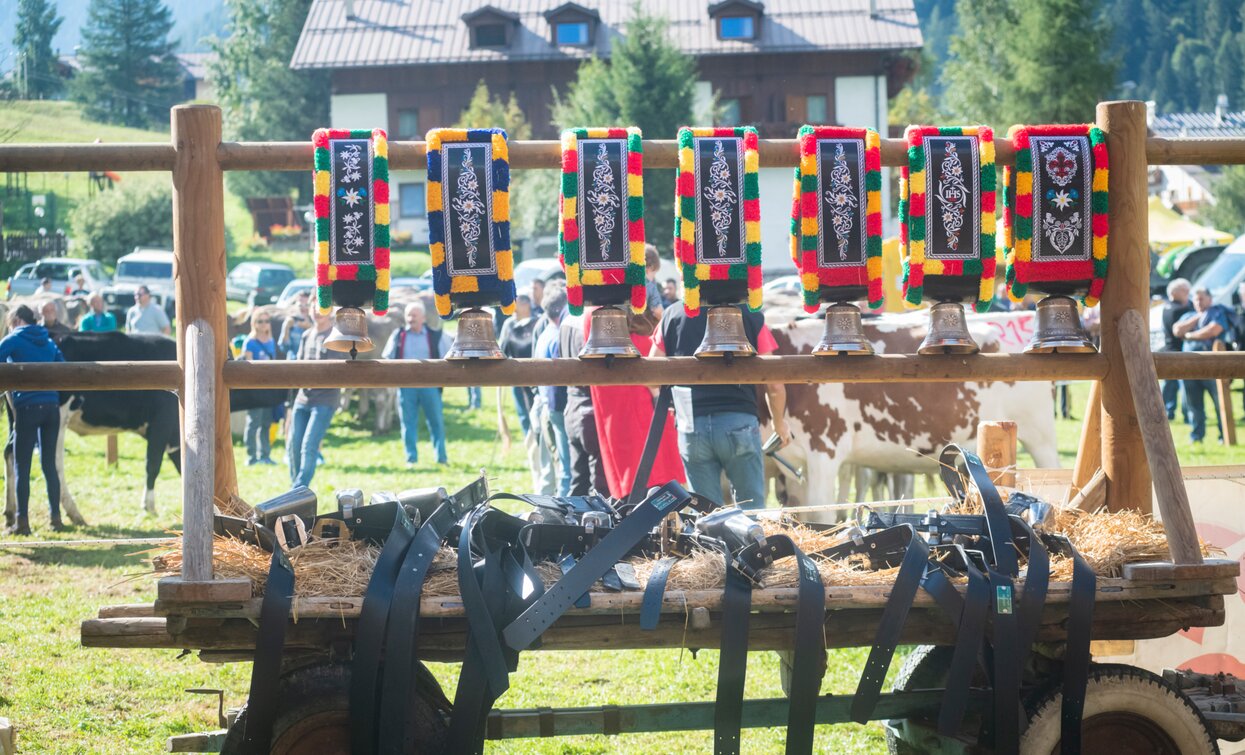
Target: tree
113,223
129,73
1228,212
1059,63
649,83
978,68
262,98
37,24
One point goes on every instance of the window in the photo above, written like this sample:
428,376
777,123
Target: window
737,27
411,201
815,108
408,123
573,34
729,113
490,35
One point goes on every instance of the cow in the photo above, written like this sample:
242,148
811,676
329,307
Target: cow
153,414
898,428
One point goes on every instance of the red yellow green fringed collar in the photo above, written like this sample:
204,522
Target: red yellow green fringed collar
1055,229
732,205
352,192
851,191
952,255
471,256
599,189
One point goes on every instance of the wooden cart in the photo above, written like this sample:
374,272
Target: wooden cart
215,616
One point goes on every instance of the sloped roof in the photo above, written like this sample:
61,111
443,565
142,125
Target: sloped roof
413,32
1199,125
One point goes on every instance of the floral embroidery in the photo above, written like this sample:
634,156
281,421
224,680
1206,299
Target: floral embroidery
470,207
721,197
1060,165
604,199
953,193
1062,233
842,201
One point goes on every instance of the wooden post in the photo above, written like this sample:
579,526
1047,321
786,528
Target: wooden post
199,259
1223,390
198,451
1127,289
1160,449
110,451
996,445
1089,452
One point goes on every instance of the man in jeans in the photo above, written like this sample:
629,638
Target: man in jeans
553,397
416,341
313,407
1200,329
717,424
1174,310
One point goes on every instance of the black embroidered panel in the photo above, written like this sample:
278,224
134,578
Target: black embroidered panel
1062,198
602,202
841,202
952,198
467,203
351,210
719,199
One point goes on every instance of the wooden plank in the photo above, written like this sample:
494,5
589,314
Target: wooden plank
1223,392
91,376
198,451
1089,450
128,610
204,741
996,445
1185,151
199,258
1127,289
1093,495
111,451
1161,571
179,589
39,158
1160,449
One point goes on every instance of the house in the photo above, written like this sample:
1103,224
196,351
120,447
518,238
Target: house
1190,188
195,71
412,65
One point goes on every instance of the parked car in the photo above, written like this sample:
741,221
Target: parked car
61,271
152,268
1223,279
257,282
298,285
1188,263
784,284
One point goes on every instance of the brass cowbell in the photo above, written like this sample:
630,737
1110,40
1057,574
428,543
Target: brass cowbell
349,332
1059,328
608,335
948,331
476,338
725,334
843,333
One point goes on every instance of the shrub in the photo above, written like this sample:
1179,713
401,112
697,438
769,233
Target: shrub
112,223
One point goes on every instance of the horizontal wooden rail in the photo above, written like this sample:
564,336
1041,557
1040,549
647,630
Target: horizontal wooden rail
887,368
658,154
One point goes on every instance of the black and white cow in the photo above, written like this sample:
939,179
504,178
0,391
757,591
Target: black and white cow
151,414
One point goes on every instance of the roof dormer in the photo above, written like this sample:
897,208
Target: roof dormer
737,19
490,28
571,24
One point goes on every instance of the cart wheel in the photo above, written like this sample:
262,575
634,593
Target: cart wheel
1127,709
925,667
314,717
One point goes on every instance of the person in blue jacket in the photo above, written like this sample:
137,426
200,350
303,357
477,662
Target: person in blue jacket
36,416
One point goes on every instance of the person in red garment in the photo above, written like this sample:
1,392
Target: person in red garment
623,415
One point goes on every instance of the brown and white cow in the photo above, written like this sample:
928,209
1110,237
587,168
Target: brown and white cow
899,428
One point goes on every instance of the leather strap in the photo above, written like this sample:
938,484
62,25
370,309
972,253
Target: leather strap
732,661
654,593
274,614
524,630
968,614
370,634
1076,656
657,426
997,519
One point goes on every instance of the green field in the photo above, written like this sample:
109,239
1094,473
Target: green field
67,699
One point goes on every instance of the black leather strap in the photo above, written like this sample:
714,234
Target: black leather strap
654,593
1006,664
656,426
370,634
274,614
967,614
732,661
1076,656
523,631
397,730
997,519
1033,598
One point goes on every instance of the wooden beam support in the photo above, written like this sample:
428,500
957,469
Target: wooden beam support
1089,450
1128,288
111,451
198,451
1223,392
199,258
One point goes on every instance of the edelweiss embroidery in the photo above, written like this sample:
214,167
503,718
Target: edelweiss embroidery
604,200
953,193
721,196
842,200
352,222
470,207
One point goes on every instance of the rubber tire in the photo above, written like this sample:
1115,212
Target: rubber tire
320,695
925,667
1116,688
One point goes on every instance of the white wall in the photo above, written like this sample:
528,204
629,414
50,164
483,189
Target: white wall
418,227
359,111
861,101
776,187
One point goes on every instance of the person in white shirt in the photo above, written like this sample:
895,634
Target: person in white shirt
146,316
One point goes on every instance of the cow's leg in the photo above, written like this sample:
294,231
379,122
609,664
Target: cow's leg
69,507
386,399
156,447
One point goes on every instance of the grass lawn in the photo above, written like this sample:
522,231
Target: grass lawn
64,698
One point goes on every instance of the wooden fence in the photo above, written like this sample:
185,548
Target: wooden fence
197,157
